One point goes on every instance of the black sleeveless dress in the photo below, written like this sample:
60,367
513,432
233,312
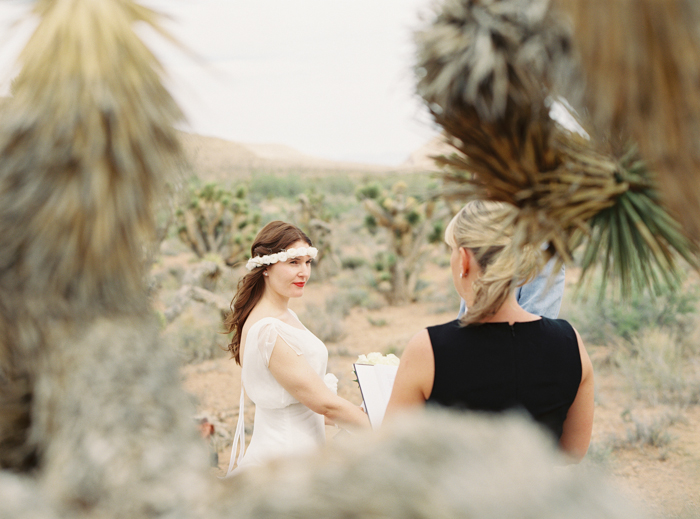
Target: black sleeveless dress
533,365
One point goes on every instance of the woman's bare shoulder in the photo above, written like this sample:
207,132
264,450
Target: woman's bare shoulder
419,344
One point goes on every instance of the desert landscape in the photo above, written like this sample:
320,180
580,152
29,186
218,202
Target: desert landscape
646,352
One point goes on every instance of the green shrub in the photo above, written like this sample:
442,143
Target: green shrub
327,326
195,334
653,433
604,320
352,262
377,322
351,297
267,186
659,368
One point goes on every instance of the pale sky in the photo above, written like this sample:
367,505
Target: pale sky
330,78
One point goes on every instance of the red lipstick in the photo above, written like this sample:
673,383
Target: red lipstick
300,285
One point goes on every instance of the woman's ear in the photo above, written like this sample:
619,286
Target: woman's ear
465,257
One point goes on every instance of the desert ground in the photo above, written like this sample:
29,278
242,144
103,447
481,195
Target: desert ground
646,434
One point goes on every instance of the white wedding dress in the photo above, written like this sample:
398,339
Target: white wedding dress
282,425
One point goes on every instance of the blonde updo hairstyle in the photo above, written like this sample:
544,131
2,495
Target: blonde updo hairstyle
486,228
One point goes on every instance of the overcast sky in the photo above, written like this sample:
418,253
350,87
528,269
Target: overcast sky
331,78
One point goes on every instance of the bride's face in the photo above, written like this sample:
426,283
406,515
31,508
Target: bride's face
288,278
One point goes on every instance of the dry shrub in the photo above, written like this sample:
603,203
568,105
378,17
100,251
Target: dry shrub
433,464
660,368
325,323
195,334
651,431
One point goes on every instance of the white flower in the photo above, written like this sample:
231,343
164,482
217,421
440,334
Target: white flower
271,259
331,382
392,360
375,358
254,263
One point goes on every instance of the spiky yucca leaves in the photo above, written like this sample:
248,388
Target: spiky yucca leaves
486,60
642,64
84,143
477,55
481,65
91,410
98,159
636,239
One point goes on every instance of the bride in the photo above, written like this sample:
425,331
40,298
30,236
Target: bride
283,364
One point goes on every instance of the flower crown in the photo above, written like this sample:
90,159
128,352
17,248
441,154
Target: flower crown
271,259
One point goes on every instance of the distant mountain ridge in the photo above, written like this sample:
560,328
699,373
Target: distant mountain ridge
215,159
422,158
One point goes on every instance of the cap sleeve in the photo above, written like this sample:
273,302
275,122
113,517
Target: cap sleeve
269,332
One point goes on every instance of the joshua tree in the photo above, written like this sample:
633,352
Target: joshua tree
409,224
216,220
93,420
314,220
486,71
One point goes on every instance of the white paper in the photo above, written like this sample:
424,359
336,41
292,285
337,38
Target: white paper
376,383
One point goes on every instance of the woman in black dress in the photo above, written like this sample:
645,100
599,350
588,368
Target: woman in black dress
498,356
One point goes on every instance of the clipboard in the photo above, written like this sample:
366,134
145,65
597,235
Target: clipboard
376,382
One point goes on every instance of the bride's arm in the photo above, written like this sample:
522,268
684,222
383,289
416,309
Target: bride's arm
295,375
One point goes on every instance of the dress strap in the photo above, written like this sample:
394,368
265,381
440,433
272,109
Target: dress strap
238,437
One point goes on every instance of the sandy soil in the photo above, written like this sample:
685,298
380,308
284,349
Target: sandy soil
665,480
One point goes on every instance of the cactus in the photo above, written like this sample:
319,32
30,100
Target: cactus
314,219
219,221
409,223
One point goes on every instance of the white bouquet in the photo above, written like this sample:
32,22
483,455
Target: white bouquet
331,382
375,358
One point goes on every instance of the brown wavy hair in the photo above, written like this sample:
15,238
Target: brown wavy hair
274,237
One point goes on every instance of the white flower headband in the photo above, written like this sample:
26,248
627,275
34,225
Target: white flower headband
271,259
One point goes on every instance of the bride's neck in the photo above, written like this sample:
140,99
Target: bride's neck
274,303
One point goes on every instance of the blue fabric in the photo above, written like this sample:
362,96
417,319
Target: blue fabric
536,296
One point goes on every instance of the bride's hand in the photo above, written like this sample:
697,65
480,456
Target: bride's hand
328,421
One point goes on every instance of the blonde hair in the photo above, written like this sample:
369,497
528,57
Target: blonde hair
486,228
